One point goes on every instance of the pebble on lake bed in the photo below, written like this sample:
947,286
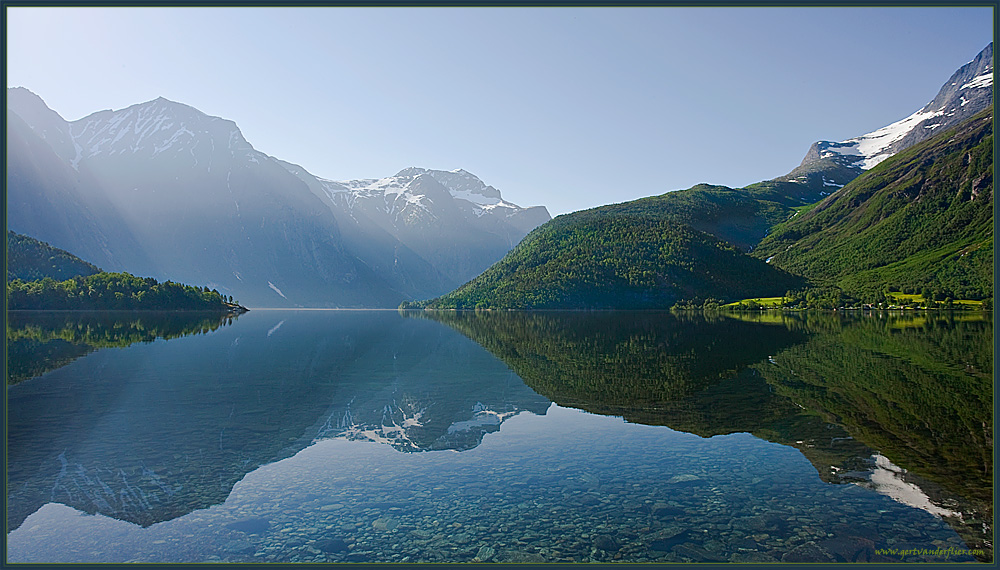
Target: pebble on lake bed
485,554
683,478
386,524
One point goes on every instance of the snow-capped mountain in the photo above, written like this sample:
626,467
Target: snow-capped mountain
403,202
159,126
164,190
450,218
967,92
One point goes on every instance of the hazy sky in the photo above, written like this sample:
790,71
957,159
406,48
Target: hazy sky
566,107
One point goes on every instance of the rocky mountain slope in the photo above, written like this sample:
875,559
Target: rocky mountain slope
829,165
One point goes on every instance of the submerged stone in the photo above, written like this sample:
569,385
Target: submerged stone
686,478
331,545
485,554
606,542
808,552
386,524
697,553
752,556
250,526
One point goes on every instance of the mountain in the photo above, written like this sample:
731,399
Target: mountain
452,219
162,189
50,199
29,259
690,244
829,165
637,255
923,218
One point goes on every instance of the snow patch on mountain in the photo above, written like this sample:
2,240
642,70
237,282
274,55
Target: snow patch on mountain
398,191
276,290
970,84
481,418
275,328
888,479
873,148
980,82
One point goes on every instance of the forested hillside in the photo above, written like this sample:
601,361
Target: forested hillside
41,277
635,256
922,219
29,259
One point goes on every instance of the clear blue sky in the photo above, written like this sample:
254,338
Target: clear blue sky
570,108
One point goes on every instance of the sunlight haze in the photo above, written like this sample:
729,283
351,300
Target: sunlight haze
570,108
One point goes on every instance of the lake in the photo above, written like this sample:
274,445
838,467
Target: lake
380,436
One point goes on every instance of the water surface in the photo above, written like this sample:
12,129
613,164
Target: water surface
373,436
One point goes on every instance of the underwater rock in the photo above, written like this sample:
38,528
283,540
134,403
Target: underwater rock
686,478
250,526
697,553
485,554
385,524
808,552
606,542
758,557
331,545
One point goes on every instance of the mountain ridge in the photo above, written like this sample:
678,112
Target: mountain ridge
967,92
163,189
547,270
922,219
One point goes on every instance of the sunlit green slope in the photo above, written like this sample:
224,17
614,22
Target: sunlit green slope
922,218
648,253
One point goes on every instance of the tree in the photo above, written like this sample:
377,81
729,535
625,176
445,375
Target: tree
927,294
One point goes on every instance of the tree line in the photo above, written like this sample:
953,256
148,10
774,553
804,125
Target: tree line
114,291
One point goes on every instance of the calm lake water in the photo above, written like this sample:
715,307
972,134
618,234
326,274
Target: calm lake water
376,436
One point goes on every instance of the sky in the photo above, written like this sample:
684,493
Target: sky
570,108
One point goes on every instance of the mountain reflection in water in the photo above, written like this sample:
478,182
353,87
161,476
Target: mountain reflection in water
916,388
167,426
161,429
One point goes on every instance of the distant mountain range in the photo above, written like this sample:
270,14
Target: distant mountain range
919,219
452,219
163,190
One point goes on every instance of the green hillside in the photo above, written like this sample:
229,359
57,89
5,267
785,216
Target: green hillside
29,259
922,218
741,217
637,255
41,277
114,292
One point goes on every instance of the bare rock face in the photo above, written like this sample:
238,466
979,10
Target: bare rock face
829,165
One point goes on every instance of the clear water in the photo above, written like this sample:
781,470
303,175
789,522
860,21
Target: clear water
369,436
